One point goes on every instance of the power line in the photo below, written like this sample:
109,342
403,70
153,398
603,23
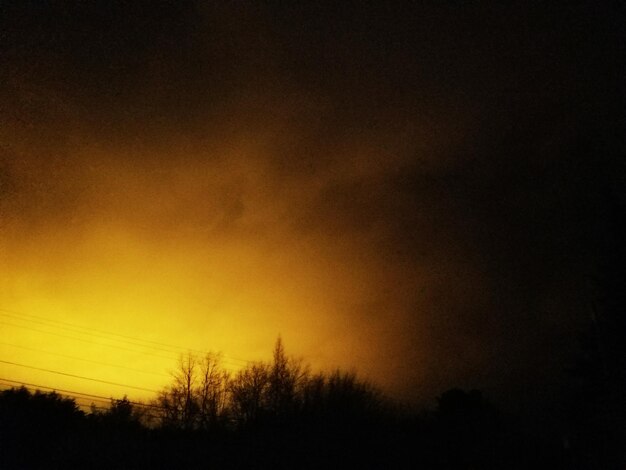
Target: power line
91,405
74,397
83,359
73,392
84,406
86,341
101,332
109,333
94,343
76,329
60,335
78,376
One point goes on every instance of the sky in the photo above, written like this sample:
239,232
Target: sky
413,192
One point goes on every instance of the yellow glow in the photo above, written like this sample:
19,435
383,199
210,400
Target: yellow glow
197,253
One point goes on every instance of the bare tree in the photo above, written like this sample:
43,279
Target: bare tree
180,409
198,396
212,393
248,391
203,395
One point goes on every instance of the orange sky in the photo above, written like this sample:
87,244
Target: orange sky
195,254
389,189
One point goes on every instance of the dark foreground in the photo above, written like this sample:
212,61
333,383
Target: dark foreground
45,430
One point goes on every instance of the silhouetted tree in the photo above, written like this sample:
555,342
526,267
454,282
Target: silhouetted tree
286,377
248,390
38,427
345,392
212,392
197,398
180,409
313,395
122,413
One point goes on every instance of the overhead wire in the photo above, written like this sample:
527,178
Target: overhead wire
95,343
82,377
175,348
101,334
74,392
89,407
78,401
87,333
75,329
67,356
60,335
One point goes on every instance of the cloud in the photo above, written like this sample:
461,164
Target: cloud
398,190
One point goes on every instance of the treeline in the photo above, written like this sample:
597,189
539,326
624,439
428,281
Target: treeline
205,396
276,415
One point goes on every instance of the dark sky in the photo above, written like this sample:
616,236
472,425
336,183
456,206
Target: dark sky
414,191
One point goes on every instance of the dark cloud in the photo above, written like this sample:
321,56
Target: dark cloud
443,150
